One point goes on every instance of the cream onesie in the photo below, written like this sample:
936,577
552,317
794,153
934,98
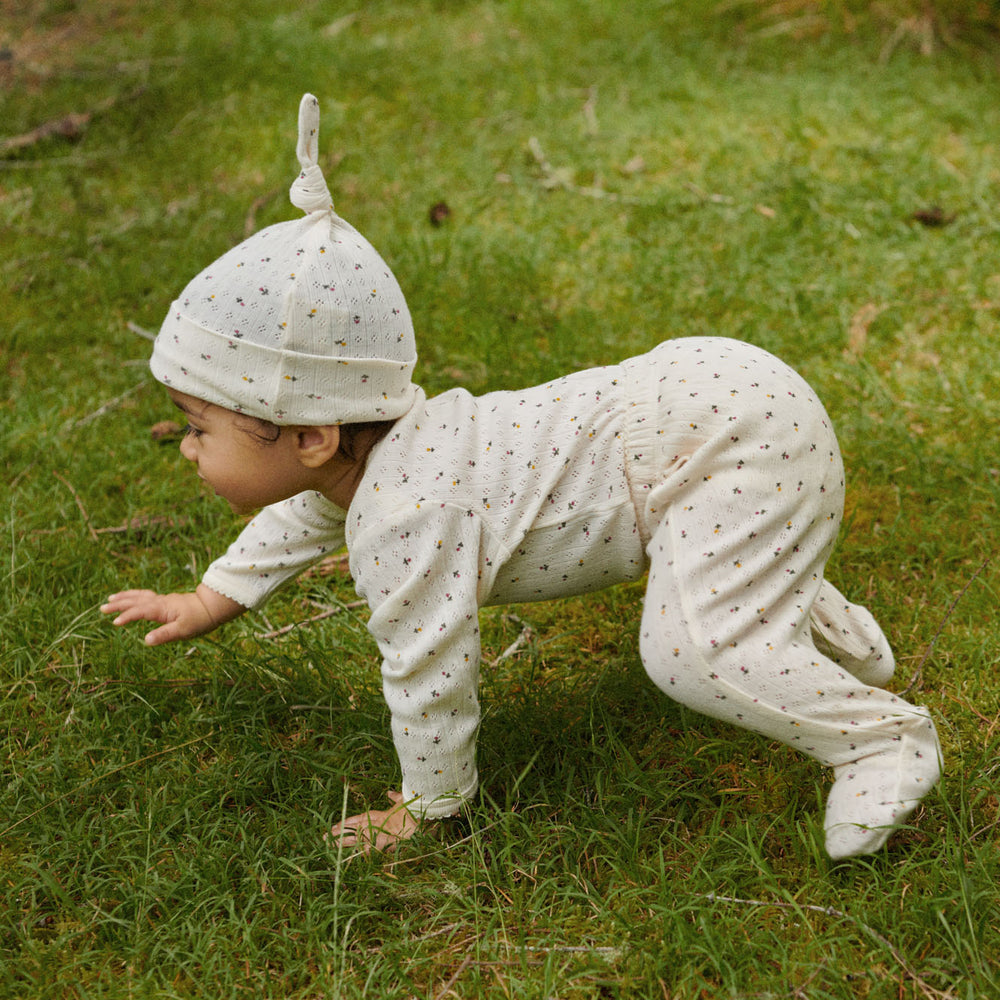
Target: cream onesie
706,462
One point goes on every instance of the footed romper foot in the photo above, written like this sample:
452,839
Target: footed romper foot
873,796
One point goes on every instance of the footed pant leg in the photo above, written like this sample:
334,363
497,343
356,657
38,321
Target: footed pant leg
736,562
849,635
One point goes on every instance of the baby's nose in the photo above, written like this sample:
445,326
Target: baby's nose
187,447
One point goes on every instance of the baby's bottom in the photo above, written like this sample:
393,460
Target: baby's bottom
726,631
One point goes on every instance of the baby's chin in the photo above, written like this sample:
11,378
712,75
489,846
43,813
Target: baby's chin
234,505
246,507
241,509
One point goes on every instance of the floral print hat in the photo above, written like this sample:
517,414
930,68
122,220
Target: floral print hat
302,323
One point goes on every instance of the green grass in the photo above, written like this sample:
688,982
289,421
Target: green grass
161,811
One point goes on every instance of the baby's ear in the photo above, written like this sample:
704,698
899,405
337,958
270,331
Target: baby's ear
317,445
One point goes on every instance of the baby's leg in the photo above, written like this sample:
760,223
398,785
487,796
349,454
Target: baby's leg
762,672
849,635
745,525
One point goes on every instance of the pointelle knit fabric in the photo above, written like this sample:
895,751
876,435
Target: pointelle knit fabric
708,463
301,323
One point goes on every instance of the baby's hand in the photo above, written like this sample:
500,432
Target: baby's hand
181,616
378,829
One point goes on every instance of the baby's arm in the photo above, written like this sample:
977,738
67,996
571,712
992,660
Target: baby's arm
421,575
277,544
378,829
181,616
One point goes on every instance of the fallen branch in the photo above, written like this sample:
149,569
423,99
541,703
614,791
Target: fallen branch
605,951
137,524
454,978
250,222
177,684
972,710
488,963
714,198
106,407
70,126
328,613
144,523
142,331
526,635
330,566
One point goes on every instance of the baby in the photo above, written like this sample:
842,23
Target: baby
706,463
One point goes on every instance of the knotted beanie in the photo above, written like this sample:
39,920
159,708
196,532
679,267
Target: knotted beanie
301,323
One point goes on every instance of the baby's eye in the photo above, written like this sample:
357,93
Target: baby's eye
194,431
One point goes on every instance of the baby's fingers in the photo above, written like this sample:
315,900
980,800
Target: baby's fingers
127,599
347,831
165,633
348,838
143,605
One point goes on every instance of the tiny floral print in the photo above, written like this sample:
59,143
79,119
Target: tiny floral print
676,464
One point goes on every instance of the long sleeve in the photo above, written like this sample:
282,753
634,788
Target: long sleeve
279,543
422,576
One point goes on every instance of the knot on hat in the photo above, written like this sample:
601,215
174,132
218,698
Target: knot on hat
309,191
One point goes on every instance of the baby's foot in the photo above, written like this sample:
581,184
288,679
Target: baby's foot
873,796
849,635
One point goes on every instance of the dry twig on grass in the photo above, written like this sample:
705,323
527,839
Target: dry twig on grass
326,613
142,331
250,222
70,126
609,954
106,407
526,635
79,504
335,565
144,523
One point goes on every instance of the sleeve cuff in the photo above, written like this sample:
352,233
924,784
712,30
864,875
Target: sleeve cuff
439,806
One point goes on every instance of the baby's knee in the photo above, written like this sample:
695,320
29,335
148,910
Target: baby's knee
659,654
670,654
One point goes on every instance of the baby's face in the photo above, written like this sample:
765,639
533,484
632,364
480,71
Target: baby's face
246,469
